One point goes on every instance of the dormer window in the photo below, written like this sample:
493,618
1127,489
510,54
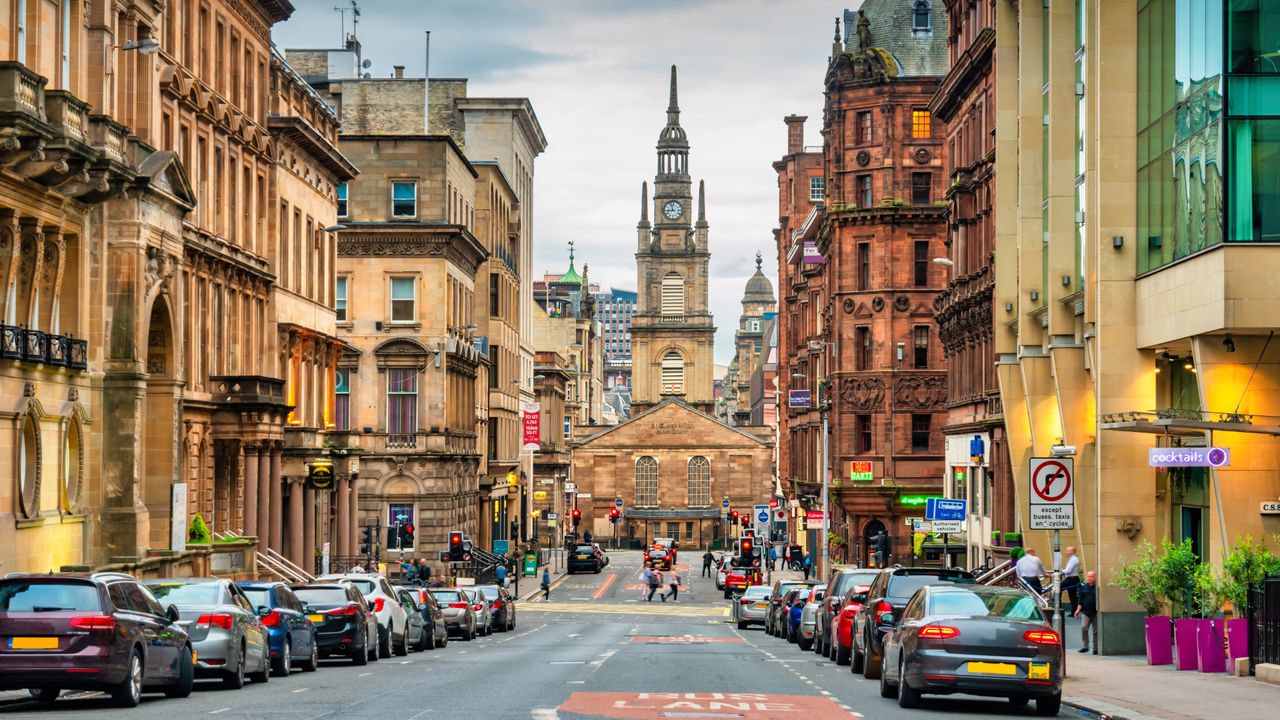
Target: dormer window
920,16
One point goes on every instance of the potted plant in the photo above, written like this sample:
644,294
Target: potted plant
198,532
1013,539
1245,567
996,536
1177,585
1140,580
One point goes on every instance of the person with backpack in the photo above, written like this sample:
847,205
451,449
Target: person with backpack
655,581
674,587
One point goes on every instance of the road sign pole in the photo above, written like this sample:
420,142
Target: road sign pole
826,511
946,552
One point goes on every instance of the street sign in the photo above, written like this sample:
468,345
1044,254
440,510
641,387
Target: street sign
861,471
571,487
911,521
724,504
1188,457
921,525
763,516
813,516
618,502
943,527
1053,494
584,496
798,398
937,508
773,503
551,516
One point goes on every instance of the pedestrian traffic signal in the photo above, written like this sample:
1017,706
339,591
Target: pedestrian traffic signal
366,539
577,517
455,546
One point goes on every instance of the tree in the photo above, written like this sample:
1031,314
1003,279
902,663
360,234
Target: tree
1245,567
1141,579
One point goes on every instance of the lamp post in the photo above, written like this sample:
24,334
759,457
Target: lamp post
826,483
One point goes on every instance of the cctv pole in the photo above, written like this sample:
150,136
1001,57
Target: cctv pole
826,482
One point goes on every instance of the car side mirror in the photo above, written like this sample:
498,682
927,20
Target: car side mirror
305,606
171,614
263,611
372,606
887,619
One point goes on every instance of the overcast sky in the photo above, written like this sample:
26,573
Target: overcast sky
597,72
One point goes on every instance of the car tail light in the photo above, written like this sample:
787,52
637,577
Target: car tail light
882,609
349,610
378,604
93,622
1042,637
460,605
477,607
744,601
271,619
937,632
497,604
222,620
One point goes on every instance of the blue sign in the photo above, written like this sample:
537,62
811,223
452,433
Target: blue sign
618,502
763,516
798,399
937,508
724,504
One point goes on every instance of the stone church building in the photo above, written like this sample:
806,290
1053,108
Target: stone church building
672,464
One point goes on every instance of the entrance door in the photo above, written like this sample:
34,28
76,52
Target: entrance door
873,528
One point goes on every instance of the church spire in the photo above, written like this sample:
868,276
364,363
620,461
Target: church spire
673,107
672,136
702,203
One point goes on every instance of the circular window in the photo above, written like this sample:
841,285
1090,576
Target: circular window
29,468
71,463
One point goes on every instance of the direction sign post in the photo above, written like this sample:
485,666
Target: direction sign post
947,516
1053,507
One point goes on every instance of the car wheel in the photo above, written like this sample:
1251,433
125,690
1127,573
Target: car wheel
402,647
907,697
312,662
872,665
1049,706
284,663
234,679
264,673
805,644
843,656
360,656
186,676
44,695
742,624
443,643
856,660
129,692
423,641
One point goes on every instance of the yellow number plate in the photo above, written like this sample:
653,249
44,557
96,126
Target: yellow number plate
762,605
987,668
1038,671
33,643
583,557
318,619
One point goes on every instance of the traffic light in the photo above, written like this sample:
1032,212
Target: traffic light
366,539
824,394
614,515
577,517
734,516
746,548
746,521
406,535
455,546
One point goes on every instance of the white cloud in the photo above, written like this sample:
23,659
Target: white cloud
596,72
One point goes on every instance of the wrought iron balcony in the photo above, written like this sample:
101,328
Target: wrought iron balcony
34,346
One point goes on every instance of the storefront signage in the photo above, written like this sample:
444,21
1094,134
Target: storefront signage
531,422
914,500
320,475
1270,508
512,478
860,471
1189,457
539,495
798,399
813,516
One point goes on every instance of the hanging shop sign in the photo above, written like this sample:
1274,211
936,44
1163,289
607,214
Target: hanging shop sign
1188,457
320,475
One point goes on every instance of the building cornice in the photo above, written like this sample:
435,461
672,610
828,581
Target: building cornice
964,75
453,242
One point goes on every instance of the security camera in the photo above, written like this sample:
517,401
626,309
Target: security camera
1062,450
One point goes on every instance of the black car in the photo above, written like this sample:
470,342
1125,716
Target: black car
436,635
345,625
503,609
888,595
103,631
584,557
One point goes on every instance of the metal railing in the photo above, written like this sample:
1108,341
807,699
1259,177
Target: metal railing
273,562
1264,623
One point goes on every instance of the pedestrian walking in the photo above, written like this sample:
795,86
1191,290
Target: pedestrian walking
808,564
546,584
1071,579
655,581
586,537
674,587
1087,611
707,559
773,556
644,581
501,573
1029,569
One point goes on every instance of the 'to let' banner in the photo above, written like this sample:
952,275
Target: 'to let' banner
531,422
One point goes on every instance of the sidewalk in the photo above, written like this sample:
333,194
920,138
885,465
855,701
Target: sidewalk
1126,688
532,586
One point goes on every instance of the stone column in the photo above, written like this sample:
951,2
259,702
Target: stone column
309,531
272,460
342,518
295,525
354,506
264,496
251,504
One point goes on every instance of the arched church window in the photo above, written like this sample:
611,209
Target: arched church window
646,482
672,294
672,373
920,16
699,482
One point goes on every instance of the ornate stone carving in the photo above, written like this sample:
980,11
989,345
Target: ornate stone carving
917,392
902,303
28,389
160,268
863,157
862,394
847,305
877,304
922,155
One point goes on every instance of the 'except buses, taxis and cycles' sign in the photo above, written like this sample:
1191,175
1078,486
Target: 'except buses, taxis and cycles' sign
860,471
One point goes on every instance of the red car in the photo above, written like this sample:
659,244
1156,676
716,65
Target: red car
841,644
738,579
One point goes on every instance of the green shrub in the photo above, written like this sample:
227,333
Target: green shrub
1013,537
1140,579
197,531
1016,553
1245,567
1177,577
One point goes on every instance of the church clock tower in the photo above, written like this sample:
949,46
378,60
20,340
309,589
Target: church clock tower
672,332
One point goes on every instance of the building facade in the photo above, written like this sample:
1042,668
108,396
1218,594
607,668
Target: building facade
614,310
758,308
977,457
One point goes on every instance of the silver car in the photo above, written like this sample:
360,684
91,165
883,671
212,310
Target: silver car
228,637
392,618
752,606
809,616
483,608
458,616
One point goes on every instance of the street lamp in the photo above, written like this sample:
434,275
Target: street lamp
144,46
944,261
826,481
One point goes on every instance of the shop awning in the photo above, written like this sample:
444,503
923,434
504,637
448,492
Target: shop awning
1188,423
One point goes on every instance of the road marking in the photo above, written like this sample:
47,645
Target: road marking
405,662
604,587
215,712
575,682
364,674
544,714
580,598
567,662
462,652
301,690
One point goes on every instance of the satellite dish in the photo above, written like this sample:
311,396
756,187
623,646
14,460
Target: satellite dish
366,64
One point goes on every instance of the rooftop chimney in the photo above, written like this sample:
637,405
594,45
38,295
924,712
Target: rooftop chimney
795,133
399,71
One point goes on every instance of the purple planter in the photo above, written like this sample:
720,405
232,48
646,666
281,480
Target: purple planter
1159,633
1237,641
1209,638
1184,643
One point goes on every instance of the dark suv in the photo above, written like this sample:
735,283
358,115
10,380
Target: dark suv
584,557
888,595
102,631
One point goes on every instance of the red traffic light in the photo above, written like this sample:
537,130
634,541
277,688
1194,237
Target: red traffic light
455,539
577,514
408,528
613,512
747,545
734,515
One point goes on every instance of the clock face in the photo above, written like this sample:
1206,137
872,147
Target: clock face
672,210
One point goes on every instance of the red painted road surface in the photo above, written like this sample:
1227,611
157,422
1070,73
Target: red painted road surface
709,706
682,639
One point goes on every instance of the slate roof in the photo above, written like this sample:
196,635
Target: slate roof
918,52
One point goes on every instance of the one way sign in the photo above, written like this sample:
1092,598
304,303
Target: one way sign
1053,494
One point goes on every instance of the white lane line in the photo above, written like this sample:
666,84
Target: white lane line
222,710
405,662
424,712
544,714
364,674
575,682
567,662
824,692
301,690
462,652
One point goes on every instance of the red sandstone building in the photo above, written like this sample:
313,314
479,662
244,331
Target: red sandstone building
859,318
977,461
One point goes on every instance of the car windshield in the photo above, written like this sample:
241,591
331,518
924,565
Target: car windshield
364,586
258,597
490,591
847,580
903,587
756,591
24,596
321,595
446,596
965,603
177,593
585,549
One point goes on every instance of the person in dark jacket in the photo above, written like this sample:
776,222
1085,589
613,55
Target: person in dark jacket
1088,608
707,559
546,584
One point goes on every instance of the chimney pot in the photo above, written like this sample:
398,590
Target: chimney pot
795,133
399,71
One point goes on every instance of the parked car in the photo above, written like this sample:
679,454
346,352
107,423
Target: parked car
483,609
344,621
809,616
502,605
100,631
840,642
772,624
886,598
415,629
437,636
722,569
974,639
392,617
839,582
585,557
291,633
792,607
751,607
229,638
459,617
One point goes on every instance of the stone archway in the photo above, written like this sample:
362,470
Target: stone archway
161,427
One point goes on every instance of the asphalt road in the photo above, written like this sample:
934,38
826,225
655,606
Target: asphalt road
594,651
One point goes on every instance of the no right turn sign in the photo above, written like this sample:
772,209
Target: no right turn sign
1053,494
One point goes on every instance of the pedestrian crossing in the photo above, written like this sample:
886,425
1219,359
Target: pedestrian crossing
669,609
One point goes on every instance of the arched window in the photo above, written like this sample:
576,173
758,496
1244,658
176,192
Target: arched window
672,294
672,374
29,468
699,482
646,482
71,464
920,16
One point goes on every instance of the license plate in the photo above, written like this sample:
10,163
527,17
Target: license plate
987,668
317,619
583,557
33,643
761,606
1038,671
